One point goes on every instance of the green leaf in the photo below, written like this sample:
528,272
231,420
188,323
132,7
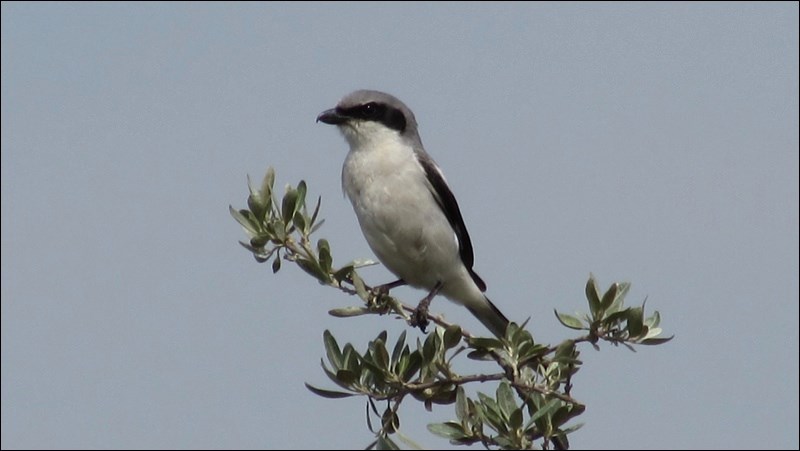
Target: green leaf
277,229
299,221
401,363
592,295
449,430
325,259
517,334
312,268
462,407
301,194
269,227
346,377
492,413
413,366
398,348
351,359
622,291
452,336
328,393
276,263
257,206
259,241
654,320
289,205
506,400
348,312
251,187
430,347
569,321
332,376
635,322
258,253
485,342
653,332
609,297
515,420
480,354
361,290
565,351
242,217
547,409
614,318
566,412
332,349
529,351
316,210
381,356
267,183
563,435
656,341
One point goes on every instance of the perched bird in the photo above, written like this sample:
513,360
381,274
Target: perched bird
407,213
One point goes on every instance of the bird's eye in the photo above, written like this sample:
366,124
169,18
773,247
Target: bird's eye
370,110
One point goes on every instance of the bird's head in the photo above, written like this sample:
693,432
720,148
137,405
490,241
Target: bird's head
370,117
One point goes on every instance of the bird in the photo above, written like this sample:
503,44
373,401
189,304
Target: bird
405,208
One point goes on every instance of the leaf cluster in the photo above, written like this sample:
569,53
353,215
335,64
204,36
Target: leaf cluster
532,405
608,318
425,372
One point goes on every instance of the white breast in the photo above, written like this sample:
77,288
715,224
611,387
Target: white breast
399,216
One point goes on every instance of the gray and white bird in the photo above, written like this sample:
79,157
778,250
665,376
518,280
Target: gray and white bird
407,213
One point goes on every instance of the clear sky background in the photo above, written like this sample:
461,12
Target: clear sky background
651,143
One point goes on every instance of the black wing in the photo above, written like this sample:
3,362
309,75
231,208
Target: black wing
447,201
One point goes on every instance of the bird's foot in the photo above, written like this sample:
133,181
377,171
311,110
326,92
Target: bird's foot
419,318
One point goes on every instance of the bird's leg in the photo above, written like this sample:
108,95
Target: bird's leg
420,316
384,289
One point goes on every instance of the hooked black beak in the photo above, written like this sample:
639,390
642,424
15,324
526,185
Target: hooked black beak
331,117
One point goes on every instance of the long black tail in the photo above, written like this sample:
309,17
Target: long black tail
491,317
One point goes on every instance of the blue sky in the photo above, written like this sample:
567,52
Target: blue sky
650,143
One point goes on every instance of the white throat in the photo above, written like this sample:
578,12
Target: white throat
377,153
